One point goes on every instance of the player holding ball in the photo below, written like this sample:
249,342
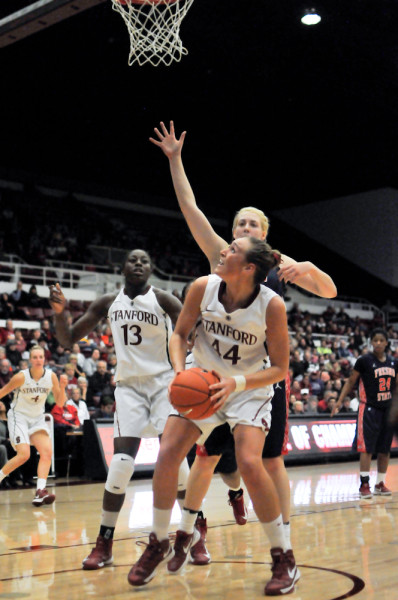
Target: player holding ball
234,317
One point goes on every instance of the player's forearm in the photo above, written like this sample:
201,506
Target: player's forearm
182,187
320,283
178,352
269,376
63,331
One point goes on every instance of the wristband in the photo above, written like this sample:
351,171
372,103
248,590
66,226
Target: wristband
240,381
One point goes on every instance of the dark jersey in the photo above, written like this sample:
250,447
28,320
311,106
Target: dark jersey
274,283
377,380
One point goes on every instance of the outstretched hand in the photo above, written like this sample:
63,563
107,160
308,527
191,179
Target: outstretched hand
167,141
57,299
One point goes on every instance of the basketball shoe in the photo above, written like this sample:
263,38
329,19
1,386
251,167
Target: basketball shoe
381,490
199,552
43,497
283,578
155,554
182,545
100,556
238,506
291,563
364,490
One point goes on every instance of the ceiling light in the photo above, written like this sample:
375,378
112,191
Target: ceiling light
311,17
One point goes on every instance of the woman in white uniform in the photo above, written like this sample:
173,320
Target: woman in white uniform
234,317
140,317
26,422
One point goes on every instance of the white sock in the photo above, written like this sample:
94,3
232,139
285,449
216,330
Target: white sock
275,533
161,522
364,474
381,477
41,483
235,489
286,529
108,518
187,520
2,475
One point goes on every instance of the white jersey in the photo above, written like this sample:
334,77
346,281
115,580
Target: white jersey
231,343
30,397
141,332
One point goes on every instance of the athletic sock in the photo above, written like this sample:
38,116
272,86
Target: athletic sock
2,475
161,522
381,477
107,532
109,518
41,483
275,533
286,529
188,518
364,476
234,494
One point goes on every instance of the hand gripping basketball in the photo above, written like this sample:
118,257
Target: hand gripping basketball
190,394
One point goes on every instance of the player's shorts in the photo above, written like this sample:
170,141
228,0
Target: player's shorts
277,438
220,442
21,427
142,406
250,407
373,434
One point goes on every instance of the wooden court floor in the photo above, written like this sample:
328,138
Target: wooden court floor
345,547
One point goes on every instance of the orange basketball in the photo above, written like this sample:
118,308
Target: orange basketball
190,394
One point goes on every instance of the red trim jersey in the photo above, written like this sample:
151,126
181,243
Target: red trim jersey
377,380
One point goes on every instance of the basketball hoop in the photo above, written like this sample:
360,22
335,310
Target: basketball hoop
154,28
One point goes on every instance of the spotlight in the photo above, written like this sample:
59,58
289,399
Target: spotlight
311,17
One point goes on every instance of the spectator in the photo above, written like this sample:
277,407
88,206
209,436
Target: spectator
19,298
80,358
298,408
80,405
6,332
342,351
20,341
35,339
72,379
312,406
90,364
297,364
33,299
13,355
346,406
97,384
83,384
316,384
112,363
60,357
5,376
6,307
106,409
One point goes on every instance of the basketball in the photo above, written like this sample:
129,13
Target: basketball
190,394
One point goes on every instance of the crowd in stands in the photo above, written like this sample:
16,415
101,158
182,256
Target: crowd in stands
324,348
55,235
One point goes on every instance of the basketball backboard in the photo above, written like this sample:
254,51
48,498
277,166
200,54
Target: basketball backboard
22,18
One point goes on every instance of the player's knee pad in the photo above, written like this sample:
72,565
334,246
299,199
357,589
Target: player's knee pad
183,475
119,474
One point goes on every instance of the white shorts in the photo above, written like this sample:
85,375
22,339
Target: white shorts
21,427
251,407
142,406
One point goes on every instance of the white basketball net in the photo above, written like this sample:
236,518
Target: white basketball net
154,30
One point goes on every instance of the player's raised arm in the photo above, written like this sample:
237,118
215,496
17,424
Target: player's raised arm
207,239
69,335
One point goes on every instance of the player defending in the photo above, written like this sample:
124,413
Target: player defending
225,310
140,317
26,422
377,375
